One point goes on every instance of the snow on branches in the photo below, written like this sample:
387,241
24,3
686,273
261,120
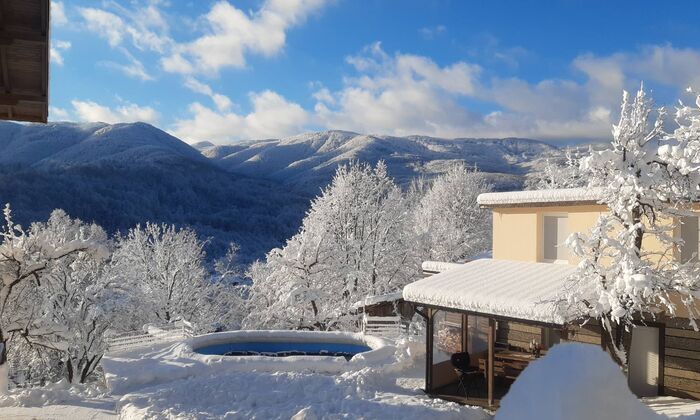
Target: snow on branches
42,294
165,267
364,237
648,179
351,244
448,221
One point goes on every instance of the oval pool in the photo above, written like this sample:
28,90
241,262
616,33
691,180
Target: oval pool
282,349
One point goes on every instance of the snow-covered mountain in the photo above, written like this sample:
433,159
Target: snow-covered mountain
123,174
68,144
309,160
252,192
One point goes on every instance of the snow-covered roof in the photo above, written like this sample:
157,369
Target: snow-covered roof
439,266
512,289
563,195
373,300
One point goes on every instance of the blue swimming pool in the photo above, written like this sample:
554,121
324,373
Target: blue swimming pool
282,349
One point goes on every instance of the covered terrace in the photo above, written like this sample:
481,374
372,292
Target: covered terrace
503,314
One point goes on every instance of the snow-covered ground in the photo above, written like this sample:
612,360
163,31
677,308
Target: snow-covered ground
178,388
552,388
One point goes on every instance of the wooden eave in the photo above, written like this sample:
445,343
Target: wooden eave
24,60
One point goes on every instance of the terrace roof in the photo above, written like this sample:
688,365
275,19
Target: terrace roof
519,290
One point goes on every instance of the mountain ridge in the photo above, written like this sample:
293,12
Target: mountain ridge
252,192
124,174
308,160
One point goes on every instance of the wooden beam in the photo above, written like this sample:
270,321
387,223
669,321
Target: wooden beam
9,37
423,314
429,351
3,67
14,98
3,14
490,377
22,117
45,12
465,332
662,359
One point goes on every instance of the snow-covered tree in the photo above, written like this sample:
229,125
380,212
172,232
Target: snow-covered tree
353,242
647,179
448,222
558,172
81,298
29,260
164,266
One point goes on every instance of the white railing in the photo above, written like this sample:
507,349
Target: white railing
152,334
391,327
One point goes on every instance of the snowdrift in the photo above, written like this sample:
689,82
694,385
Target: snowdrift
574,382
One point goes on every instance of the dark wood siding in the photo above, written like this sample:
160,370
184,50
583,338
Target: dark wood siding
591,333
681,359
517,335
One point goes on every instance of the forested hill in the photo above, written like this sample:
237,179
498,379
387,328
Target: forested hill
308,161
124,174
253,192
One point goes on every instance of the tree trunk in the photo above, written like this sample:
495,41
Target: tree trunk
69,368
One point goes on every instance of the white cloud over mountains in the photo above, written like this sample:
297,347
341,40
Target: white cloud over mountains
271,116
230,35
128,112
383,92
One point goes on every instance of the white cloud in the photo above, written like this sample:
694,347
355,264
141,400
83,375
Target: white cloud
134,68
55,52
58,13
92,111
222,102
105,24
58,114
271,116
231,34
145,27
431,32
176,63
401,94
408,94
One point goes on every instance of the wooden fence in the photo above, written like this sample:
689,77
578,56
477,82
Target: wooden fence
178,330
391,327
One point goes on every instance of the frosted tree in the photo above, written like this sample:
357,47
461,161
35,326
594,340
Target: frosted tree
559,172
164,266
83,299
647,179
28,259
353,242
448,222
227,268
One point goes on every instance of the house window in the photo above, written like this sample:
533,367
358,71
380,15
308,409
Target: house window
689,234
555,232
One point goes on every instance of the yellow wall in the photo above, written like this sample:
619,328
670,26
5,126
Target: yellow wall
517,231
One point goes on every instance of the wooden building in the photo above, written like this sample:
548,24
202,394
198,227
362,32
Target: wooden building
24,60
497,309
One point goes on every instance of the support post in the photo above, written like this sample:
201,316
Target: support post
429,350
492,339
465,332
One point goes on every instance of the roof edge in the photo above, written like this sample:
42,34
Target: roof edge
563,196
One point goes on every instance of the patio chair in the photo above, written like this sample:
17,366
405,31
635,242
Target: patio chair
465,372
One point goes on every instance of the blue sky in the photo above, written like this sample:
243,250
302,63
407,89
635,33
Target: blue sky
229,70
